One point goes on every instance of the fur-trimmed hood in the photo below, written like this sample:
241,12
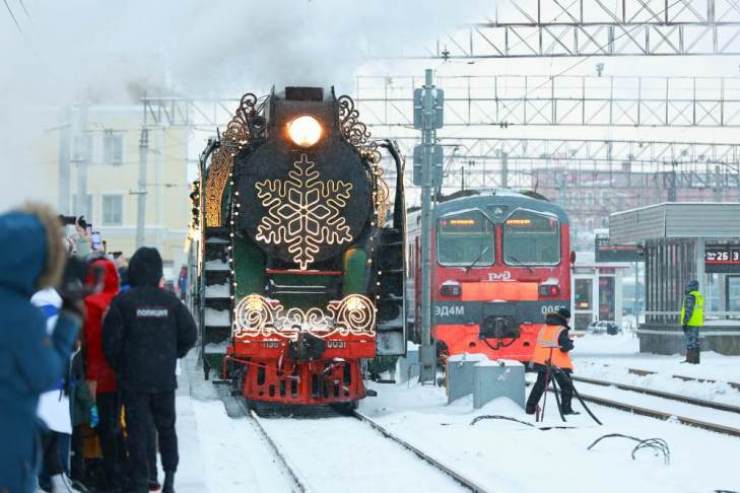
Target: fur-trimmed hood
33,254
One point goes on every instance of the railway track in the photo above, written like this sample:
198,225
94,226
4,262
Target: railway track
643,373
659,393
664,398
467,483
299,468
289,469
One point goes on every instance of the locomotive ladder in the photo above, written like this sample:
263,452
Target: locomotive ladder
216,299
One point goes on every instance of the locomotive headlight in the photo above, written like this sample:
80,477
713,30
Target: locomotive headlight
304,131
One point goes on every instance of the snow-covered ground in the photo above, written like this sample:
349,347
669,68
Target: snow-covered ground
223,454
511,457
609,357
219,454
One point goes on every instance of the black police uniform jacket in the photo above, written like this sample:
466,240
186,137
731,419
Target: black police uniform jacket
147,329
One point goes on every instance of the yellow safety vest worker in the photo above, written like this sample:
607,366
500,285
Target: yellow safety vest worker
697,316
548,348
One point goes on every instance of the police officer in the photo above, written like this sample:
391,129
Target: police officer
692,318
551,360
146,329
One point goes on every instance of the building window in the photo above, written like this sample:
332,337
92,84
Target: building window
112,148
112,210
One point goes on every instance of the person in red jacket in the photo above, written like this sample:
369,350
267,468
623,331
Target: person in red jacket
102,276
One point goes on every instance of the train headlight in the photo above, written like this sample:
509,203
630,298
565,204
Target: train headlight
304,131
450,288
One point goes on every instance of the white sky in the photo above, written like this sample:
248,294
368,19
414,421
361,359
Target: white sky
87,48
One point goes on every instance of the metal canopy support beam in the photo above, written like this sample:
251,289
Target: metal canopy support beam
170,111
545,100
598,152
598,28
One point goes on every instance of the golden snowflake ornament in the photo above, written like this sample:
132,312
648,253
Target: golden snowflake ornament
304,212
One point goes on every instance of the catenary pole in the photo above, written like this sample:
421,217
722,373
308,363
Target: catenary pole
429,123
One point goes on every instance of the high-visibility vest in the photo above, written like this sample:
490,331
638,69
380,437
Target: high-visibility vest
548,348
697,316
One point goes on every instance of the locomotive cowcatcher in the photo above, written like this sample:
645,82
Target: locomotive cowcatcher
302,263
500,262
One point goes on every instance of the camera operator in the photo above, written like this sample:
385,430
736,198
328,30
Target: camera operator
31,361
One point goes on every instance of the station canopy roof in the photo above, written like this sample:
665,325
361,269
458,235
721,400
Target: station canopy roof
676,220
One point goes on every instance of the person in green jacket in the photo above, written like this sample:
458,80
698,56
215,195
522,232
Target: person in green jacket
692,318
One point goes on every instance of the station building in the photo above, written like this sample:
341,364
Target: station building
682,241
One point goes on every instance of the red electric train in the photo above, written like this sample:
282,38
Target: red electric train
500,262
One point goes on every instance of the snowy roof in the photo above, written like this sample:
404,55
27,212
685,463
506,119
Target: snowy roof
676,220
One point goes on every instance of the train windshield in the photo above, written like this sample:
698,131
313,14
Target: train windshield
531,239
465,239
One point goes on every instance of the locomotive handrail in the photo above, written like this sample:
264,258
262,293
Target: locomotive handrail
310,272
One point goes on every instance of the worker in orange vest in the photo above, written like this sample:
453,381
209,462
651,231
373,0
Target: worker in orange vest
551,360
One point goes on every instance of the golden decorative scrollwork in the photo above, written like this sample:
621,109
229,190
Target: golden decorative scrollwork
353,130
236,136
381,195
353,314
256,316
218,175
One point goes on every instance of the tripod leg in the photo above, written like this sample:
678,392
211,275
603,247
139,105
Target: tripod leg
544,401
556,390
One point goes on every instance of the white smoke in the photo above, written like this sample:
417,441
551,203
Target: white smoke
111,52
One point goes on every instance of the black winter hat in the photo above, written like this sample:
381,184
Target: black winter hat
564,312
145,267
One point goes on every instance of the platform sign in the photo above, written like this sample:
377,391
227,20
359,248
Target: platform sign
607,252
722,259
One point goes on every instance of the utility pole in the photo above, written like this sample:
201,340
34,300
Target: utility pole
65,132
141,199
82,164
428,159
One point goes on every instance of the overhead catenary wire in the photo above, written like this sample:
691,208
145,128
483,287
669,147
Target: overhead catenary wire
25,10
12,16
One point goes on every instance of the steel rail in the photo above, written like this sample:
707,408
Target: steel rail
652,413
456,476
659,393
643,373
300,486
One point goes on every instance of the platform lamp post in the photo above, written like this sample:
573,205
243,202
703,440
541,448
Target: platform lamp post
428,159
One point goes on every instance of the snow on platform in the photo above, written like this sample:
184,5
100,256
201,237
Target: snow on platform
610,357
512,457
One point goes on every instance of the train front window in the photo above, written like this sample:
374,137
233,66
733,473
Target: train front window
531,239
465,239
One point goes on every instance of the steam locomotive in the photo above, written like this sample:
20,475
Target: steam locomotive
301,265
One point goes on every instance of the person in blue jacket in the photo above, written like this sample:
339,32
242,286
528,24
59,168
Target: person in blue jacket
31,362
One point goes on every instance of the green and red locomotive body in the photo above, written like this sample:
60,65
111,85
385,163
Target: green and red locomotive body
302,273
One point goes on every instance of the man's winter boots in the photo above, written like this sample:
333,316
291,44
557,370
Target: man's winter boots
169,482
692,356
695,357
